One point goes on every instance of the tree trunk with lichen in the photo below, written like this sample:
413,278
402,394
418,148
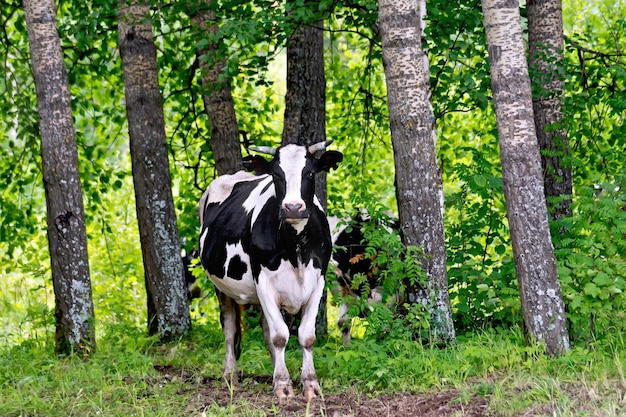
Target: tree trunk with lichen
545,46
535,263
168,309
419,187
67,236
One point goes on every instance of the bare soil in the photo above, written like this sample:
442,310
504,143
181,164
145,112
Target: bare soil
255,397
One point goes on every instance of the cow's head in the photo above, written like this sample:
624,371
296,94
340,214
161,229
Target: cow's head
293,169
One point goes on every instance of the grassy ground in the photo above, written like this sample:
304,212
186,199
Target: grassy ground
490,373
132,374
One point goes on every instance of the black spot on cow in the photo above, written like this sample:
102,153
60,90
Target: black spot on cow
236,268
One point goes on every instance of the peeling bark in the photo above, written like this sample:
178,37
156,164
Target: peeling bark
535,263
168,310
67,237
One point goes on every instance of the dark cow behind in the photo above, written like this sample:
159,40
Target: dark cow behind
350,258
265,240
193,290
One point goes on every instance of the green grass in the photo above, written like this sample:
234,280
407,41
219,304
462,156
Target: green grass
120,379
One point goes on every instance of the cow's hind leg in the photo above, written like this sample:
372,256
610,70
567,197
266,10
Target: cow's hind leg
230,318
306,337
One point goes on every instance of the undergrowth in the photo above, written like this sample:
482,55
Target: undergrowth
122,377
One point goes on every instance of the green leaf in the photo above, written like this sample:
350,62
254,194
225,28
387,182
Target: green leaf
591,289
603,280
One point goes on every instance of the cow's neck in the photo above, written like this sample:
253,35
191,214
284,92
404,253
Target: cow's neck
295,237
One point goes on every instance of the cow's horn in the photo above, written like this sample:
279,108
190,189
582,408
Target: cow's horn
263,149
319,146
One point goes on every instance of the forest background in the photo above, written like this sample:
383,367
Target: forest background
483,290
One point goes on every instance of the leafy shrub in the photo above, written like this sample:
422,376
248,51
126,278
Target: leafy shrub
481,273
396,268
590,253
591,245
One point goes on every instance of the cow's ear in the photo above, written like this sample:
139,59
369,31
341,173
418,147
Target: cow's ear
257,164
329,160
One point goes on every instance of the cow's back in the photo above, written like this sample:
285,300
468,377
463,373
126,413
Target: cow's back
226,232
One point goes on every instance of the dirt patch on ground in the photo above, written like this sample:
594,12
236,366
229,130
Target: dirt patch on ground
254,397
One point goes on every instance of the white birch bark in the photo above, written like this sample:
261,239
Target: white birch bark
418,179
535,263
545,46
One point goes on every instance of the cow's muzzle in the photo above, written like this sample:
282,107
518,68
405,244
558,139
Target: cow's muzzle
294,211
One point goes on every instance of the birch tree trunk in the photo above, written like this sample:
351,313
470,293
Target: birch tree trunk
67,236
305,107
545,42
168,310
218,100
418,178
535,263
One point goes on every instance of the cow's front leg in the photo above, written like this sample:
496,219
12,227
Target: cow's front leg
230,318
276,334
306,337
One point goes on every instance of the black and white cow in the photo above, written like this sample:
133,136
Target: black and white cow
265,240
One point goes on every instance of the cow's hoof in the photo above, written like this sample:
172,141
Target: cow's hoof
283,390
311,390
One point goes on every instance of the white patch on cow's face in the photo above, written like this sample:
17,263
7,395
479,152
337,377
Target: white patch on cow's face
257,199
292,162
318,203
